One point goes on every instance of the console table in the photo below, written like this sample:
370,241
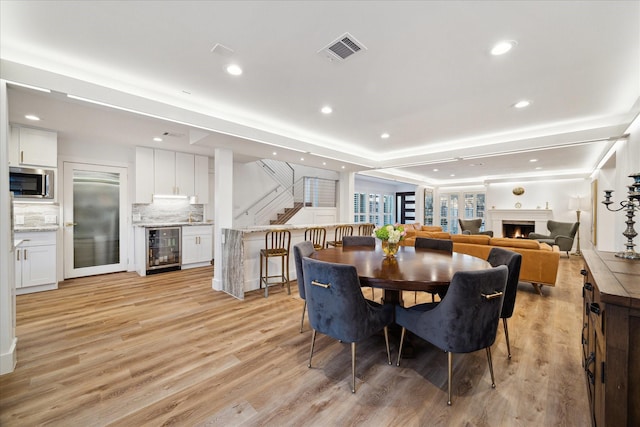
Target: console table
611,338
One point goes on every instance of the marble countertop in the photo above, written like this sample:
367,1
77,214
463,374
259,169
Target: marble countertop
20,229
169,224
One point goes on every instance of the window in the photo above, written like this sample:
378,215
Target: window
428,207
473,207
374,208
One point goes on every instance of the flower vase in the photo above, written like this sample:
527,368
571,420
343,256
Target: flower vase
390,249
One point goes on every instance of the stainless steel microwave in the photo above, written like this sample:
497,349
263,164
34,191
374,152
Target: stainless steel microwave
26,183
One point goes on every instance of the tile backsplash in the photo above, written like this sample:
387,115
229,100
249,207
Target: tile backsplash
35,214
167,210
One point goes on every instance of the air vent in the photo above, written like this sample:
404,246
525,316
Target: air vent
345,46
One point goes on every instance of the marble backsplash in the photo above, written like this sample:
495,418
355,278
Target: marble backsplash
35,214
167,211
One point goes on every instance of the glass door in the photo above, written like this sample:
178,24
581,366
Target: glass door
94,219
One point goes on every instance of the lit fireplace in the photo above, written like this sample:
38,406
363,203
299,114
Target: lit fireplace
517,229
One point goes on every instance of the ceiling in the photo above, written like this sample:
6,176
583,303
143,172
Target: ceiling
424,75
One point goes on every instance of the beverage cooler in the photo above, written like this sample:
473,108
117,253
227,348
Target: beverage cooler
163,249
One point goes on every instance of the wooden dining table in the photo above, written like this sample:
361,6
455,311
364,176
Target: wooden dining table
410,270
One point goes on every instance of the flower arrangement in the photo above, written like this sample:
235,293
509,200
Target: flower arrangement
392,233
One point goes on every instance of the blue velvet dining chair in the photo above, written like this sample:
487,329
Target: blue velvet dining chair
301,250
466,320
337,308
367,241
445,245
513,261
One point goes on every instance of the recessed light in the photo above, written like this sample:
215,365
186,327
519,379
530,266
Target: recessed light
385,136
538,168
436,170
32,117
157,139
324,163
326,110
302,159
275,153
503,47
533,160
342,166
522,104
234,70
453,174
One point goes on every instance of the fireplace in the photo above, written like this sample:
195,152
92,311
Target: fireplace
518,229
538,217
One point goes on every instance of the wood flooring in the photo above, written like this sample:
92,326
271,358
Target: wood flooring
124,350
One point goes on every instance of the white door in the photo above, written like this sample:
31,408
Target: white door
94,219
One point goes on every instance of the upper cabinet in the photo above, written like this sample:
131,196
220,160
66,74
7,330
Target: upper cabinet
170,173
33,147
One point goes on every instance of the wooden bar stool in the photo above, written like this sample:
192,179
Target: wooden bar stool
276,244
341,231
317,236
366,229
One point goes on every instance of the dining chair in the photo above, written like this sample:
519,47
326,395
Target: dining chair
366,229
513,261
466,320
316,235
301,250
340,232
368,241
276,245
337,308
445,245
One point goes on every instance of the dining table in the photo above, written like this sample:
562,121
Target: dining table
410,269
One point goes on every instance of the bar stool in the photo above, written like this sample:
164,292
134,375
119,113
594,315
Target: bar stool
366,229
276,244
317,236
341,231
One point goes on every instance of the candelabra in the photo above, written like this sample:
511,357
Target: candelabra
631,205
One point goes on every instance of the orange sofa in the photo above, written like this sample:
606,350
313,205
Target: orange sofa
539,260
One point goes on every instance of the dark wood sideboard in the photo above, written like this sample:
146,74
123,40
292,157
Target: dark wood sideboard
611,338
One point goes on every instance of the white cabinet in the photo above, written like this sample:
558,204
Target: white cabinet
33,147
197,245
201,179
170,173
144,175
35,261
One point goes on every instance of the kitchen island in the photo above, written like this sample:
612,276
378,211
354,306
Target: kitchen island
238,269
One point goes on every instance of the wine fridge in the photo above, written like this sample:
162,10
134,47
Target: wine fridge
163,249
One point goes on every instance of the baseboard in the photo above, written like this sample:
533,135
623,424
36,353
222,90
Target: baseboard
8,360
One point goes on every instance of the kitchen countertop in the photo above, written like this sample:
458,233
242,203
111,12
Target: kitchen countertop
169,224
19,229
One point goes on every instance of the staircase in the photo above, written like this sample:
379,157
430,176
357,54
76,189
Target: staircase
287,214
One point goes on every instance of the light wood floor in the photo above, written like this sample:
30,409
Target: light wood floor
167,350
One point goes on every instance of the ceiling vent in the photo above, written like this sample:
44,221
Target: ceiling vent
345,46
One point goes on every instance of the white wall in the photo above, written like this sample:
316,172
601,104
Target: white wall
537,194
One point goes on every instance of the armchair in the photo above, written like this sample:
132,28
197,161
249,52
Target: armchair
560,234
472,226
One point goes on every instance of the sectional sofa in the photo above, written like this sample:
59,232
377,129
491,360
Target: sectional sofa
539,260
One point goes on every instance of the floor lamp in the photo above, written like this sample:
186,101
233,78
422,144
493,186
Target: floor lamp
577,203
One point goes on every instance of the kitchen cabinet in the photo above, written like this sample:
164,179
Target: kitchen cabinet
33,147
197,245
35,260
170,173
173,172
144,175
611,338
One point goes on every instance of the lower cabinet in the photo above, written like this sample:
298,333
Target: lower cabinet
35,260
197,245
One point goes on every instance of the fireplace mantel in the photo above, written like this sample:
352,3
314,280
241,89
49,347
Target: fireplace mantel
539,216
